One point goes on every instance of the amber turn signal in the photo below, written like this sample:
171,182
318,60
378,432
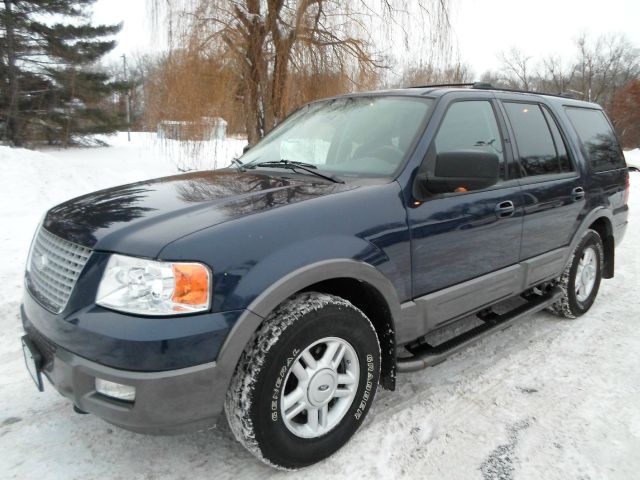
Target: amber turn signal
191,284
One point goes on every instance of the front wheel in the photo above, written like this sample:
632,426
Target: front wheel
305,382
580,281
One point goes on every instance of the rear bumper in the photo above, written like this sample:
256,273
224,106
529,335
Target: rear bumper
169,402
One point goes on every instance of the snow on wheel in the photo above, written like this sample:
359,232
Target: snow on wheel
581,279
305,382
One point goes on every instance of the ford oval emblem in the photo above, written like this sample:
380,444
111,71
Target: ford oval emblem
43,262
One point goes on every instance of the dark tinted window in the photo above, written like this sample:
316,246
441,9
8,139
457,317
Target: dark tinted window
561,148
469,125
537,150
597,137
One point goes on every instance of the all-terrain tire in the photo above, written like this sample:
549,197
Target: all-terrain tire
570,305
253,402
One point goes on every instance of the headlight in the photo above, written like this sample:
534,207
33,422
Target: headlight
146,287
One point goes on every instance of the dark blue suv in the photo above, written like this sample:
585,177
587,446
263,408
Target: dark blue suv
358,239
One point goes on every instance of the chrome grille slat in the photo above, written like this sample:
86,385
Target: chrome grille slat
50,286
61,283
53,281
51,290
71,255
60,261
60,271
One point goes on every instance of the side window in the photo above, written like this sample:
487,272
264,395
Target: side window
561,147
536,146
597,137
468,125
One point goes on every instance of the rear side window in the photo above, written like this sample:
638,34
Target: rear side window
541,153
597,137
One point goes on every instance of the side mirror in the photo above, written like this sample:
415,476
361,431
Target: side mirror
462,170
246,148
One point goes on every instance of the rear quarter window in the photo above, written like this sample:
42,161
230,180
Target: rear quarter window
597,137
539,151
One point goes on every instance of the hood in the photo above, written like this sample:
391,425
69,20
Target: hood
141,218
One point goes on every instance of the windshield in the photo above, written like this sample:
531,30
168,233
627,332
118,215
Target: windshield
358,137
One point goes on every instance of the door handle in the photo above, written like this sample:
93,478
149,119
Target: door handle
577,194
505,209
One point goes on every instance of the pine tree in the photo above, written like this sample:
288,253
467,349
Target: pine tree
50,89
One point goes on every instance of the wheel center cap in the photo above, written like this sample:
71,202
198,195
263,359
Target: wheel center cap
321,387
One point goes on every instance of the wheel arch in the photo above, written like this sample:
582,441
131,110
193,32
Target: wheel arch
356,281
599,220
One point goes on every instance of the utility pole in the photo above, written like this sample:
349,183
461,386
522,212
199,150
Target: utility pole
127,98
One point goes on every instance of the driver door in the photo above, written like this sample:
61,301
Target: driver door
460,236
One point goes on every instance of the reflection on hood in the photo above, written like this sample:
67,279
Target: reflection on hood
167,208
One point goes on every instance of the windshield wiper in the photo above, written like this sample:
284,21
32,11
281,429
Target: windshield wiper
291,165
239,164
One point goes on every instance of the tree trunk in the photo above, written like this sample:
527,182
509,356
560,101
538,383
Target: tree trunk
67,133
278,88
12,127
254,85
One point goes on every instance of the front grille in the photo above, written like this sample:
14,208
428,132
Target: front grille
54,267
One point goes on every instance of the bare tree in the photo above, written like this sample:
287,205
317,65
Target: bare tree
604,69
430,75
554,76
517,70
604,65
271,43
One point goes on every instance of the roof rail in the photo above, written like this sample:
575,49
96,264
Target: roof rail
532,92
470,84
435,85
489,86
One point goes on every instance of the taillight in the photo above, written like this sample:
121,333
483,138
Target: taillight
626,190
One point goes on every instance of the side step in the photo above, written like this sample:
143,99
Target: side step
427,356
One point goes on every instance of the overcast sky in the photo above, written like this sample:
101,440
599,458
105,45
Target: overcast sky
481,28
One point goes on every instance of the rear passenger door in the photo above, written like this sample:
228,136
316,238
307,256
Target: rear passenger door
552,188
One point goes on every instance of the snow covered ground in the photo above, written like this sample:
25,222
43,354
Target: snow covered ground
546,398
633,158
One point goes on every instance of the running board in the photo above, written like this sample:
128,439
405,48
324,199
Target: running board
427,356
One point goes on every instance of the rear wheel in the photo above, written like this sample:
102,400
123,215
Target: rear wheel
305,382
580,281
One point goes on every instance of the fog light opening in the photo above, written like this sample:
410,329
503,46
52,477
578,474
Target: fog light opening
115,390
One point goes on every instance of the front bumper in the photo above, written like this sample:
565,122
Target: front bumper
181,376
168,402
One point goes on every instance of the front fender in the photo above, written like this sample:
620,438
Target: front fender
316,272
298,265
285,287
